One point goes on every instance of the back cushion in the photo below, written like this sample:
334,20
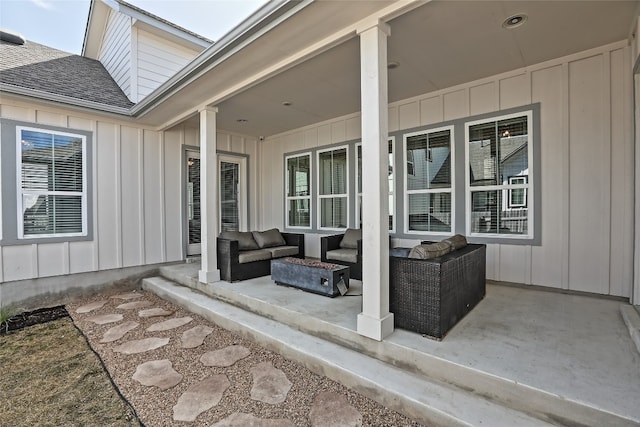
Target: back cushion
244,238
269,238
429,251
457,242
350,238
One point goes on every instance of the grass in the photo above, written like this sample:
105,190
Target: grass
50,377
6,314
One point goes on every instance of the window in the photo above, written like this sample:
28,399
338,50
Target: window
52,184
298,188
391,176
499,156
428,182
333,194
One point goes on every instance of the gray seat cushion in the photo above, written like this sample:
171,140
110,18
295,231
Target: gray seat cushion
345,255
256,255
400,252
280,251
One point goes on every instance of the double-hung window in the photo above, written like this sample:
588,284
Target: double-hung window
391,179
298,188
52,184
428,156
499,159
333,188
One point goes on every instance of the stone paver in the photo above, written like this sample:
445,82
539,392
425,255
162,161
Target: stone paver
90,307
140,346
169,324
134,304
225,357
153,312
333,409
117,332
129,295
195,336
158,373
270,385
102,319
200,397
240,419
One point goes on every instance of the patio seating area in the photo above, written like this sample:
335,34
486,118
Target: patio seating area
563,358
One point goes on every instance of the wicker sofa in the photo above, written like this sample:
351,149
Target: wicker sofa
245,255
430,296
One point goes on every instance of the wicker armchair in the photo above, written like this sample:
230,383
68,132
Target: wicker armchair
430,296
332,243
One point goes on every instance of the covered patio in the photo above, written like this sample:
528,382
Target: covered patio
562,359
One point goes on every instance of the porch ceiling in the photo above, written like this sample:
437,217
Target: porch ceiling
437,45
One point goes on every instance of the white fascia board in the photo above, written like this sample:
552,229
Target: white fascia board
62,99
96,25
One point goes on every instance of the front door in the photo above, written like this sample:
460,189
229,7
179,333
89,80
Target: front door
193,202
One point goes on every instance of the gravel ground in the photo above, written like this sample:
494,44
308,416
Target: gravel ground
155,406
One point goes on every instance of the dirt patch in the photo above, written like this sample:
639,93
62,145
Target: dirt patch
50,376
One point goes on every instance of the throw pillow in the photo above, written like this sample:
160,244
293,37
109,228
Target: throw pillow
350,238
457,242
432,250
244,238
269,238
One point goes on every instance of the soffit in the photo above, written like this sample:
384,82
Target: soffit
438,45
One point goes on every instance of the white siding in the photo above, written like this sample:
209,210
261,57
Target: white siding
586,166
136,217
115,51
157,60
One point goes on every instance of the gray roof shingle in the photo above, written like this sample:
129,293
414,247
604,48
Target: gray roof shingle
35,66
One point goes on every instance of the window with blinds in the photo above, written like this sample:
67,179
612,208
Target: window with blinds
498,155
298,190
333,193
428,178
52,191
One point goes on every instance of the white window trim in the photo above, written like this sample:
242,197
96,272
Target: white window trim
20,192
516,186
450,190
287,198
530,186
392,212
331,196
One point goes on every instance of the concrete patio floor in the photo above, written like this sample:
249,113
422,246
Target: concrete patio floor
565,359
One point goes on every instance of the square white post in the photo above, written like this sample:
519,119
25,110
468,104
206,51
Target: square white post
209,271
375,321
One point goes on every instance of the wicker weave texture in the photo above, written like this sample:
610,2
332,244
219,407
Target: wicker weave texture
431,296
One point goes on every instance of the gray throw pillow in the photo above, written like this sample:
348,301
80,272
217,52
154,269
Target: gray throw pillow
432,250
457,242
269,238
350,238
244,238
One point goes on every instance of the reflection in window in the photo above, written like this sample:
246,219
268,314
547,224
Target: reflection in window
390,177
428,182
498,156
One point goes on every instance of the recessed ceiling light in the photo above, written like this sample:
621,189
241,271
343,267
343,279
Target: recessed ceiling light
286,103
242,121
514,21
392,64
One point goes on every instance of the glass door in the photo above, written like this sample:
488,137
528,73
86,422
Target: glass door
193,202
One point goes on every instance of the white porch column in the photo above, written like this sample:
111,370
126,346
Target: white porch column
208,196
375,321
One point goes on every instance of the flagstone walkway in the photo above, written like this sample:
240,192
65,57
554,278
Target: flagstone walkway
175,368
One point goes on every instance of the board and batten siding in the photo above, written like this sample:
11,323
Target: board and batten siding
157,60
587,168
136,201
115,50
